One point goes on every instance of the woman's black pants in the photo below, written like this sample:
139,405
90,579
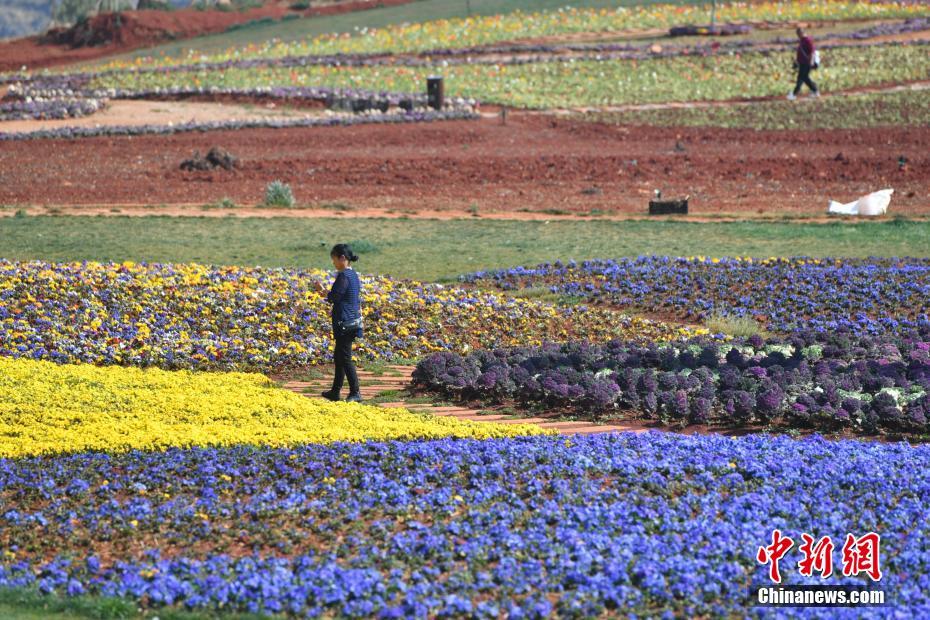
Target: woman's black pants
804,77
345,367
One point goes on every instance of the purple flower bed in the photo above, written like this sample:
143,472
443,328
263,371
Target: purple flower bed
268,123
51,109
917,24
69,88
709,29
867,296
826,381
654,525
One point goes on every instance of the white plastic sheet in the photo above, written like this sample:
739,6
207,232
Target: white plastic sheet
875,203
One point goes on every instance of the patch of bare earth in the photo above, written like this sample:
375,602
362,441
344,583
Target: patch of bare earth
539,164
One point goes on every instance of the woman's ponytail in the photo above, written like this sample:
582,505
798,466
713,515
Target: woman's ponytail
343,249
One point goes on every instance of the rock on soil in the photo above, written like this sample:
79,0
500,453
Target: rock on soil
216,158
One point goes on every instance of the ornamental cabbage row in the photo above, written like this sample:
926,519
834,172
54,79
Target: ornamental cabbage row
826,381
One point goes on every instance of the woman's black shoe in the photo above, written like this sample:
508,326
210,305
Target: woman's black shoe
354,398
329,395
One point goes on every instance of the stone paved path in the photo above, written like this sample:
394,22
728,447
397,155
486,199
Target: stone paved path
397,378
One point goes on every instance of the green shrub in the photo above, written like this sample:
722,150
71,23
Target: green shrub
363,246
263,21
154,5
278,194
245,5
224,203
739,326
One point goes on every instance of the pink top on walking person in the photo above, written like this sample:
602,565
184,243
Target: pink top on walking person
804,62
805,55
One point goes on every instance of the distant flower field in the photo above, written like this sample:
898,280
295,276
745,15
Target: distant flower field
586,82
485,30
865,296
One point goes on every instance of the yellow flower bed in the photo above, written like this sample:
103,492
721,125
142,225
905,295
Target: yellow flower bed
50,408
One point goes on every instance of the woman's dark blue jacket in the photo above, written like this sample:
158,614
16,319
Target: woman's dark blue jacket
344,295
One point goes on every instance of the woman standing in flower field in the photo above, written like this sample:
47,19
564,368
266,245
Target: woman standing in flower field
347,320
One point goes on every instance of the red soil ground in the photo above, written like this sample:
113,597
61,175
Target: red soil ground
139,29
533,163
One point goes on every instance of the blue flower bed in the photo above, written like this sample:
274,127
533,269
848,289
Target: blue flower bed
828,381
648,525
869,296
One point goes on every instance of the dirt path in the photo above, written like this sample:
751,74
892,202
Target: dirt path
534,164
201,210
396,379
134,113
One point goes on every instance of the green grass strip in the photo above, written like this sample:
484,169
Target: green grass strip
436,250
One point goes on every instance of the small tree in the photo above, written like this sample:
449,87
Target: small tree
67,12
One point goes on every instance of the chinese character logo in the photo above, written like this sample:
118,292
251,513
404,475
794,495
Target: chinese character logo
860,555
817,557
773,553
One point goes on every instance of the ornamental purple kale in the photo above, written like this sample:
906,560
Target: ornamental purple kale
828,381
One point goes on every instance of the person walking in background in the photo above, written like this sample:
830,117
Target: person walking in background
804,61
347,321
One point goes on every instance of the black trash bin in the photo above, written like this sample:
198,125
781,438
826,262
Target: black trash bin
668,207
434,92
